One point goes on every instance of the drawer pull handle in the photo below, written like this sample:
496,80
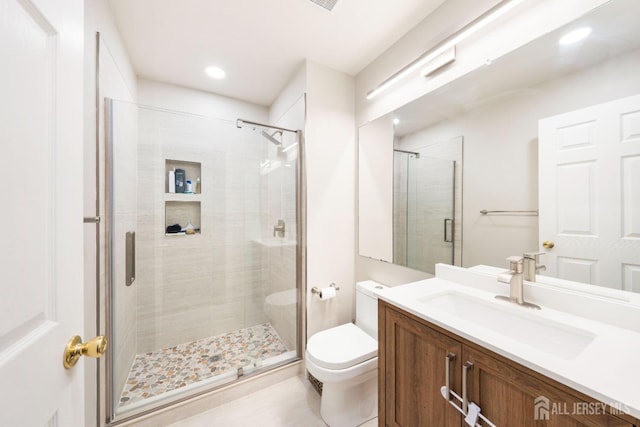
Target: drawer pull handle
465,377
450,357
470,410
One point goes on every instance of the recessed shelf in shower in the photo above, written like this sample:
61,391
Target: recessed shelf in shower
183,208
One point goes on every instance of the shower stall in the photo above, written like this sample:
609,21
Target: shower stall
205,267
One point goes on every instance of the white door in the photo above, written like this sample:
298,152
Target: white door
589,191
41,259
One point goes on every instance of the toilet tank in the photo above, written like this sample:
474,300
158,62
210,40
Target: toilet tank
367,306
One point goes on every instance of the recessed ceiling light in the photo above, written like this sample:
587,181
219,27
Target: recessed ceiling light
215,72
575,36
396,121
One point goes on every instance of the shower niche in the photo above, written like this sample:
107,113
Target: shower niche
183,209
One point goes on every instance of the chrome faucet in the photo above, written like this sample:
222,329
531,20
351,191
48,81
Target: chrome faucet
513,278
279,228
531,266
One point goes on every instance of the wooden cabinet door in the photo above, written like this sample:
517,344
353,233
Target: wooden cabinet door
412,370
508,396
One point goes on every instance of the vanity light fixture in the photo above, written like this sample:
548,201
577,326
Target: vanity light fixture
574,36
439,62
468,30
215,72
396,121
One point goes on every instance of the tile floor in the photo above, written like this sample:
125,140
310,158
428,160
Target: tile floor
171,368
290,403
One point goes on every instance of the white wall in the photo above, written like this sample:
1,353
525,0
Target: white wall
178,98
375,184
290,95
331,154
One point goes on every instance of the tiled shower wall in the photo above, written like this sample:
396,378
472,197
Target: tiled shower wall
190,287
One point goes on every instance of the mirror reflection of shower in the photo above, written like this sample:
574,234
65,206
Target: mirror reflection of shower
423,210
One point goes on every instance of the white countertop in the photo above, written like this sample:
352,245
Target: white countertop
607,368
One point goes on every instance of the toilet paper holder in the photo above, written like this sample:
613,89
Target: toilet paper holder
316,290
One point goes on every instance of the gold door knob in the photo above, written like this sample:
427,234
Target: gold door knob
75,348
548,244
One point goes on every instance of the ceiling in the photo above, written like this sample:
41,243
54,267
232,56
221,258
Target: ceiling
260,44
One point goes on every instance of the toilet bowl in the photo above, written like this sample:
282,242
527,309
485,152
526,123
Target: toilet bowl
345,360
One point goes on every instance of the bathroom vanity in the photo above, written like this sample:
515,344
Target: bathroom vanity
521,367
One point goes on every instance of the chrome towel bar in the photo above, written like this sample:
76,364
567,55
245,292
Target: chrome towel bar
486,212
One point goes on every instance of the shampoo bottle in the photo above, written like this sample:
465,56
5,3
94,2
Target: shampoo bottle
172,181
180,180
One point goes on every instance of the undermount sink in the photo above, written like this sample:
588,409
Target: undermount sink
526,327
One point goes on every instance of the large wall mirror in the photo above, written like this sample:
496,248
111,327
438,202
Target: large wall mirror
537,151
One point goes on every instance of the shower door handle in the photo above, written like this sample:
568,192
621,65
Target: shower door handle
448,231
130,254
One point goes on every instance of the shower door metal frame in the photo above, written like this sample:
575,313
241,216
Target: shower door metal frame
301,250
105,394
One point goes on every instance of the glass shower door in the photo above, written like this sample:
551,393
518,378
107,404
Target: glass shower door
274,237
430,212
203,253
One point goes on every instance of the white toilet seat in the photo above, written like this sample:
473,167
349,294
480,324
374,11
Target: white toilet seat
341,347
340,353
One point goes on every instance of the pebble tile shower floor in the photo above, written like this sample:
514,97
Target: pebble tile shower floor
171,368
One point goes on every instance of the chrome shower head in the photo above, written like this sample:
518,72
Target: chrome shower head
271,137
326,4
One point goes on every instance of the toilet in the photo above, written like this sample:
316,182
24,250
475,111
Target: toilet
345,360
